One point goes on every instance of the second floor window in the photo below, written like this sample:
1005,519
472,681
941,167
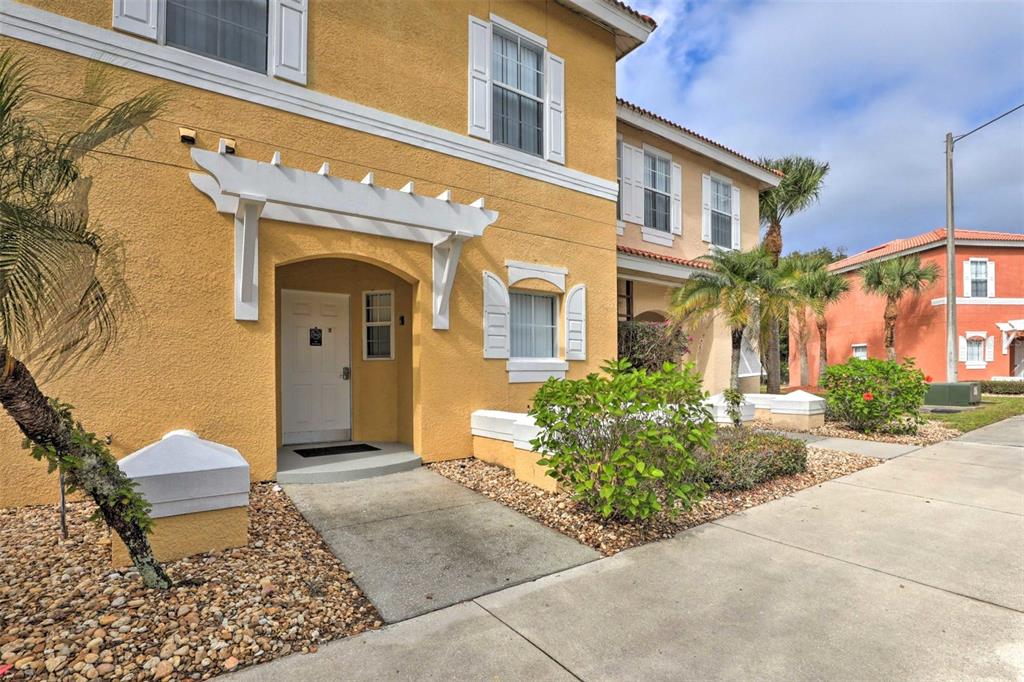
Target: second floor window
232,31
533,326
979,278
518,93
721,213
657,200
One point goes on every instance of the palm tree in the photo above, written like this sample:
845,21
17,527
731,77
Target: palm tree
821,288
732,290
800,187
62,290
796,267
893,279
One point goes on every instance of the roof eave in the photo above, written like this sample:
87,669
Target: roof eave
630,31
997,243
765,178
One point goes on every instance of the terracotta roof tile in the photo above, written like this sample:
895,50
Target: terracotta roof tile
936,236
642,17
650,114
667,259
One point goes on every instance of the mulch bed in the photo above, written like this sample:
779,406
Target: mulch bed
559,511
928,433
66,614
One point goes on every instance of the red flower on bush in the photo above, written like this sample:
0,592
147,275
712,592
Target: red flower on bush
928,379
868,396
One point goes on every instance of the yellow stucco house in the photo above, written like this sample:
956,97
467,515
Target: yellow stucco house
364,220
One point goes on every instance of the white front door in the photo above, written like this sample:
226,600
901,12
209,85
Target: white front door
1018,357
316,390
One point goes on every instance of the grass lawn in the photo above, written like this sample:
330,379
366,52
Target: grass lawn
993,409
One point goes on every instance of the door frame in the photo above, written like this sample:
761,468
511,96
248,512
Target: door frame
330,435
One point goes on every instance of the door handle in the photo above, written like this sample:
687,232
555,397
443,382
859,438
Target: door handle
346,373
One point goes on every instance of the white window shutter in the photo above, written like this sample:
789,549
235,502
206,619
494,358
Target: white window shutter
136,16
990,348
556,109
677,199
736,217
991,279
705,208
496,317
479,78
576,323
637,190
289,30
750,357
963,349
967,279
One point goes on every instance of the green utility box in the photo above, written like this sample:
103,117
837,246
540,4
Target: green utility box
960,393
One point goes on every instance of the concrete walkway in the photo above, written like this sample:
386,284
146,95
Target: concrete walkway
911,570
868,448
417,542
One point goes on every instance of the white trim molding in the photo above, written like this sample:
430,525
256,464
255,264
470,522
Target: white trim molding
659,237
518,271
657,268
40,27
980,301
251,190
535,370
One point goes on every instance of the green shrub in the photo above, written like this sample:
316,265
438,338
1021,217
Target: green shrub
623,441
740,458
875,395
649,345
1003,387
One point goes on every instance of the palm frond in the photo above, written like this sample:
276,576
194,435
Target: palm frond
801,185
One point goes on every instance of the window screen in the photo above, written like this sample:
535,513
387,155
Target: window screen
721,213
378,324
657,201
533,326
232,31
518,93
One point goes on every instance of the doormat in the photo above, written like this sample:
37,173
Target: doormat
335,450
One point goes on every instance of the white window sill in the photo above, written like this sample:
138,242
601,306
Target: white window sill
620,227
976,365
657,236
535,370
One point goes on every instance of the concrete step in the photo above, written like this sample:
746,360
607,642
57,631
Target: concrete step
369,465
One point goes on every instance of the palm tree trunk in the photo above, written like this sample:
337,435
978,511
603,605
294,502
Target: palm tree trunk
822,346
43,425
774,361
802,337
773,242
737,344
890,329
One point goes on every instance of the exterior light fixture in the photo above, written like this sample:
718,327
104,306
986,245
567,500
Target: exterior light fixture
187,135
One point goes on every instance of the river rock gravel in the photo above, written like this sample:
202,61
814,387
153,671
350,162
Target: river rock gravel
65,614
559,511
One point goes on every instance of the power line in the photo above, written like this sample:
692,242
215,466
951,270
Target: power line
1002,115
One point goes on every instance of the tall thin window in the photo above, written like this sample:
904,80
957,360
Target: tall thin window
657,200
618,178
975,350
377,325
979,278
721,213
534,326
232,31
518,92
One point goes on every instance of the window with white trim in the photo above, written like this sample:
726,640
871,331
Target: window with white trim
533,325
721,213
232,31
518,92
860,351
979,278
975,350
657,197
378,327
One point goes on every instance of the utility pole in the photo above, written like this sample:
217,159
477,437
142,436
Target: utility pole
951,336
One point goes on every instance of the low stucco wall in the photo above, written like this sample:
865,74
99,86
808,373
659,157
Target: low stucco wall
175,537
523,463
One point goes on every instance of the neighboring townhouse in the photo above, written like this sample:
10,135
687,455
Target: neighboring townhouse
989,308
682,195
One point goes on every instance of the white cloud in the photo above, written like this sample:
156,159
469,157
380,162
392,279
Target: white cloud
871,87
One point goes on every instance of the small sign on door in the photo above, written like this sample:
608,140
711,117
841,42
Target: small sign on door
316,336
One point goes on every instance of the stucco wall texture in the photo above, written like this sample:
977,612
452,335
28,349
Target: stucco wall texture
185,362
921,326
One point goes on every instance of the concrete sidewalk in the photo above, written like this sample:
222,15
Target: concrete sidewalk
868,448
911,570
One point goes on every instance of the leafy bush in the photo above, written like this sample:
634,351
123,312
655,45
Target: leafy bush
649,345
1003,387
875,395
623,442
739,459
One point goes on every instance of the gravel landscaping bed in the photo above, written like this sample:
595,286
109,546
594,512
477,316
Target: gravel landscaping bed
66,614
558,510
928,433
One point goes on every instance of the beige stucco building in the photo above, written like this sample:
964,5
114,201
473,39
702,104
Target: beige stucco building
368,238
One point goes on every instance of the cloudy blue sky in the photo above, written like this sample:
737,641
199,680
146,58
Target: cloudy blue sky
871,87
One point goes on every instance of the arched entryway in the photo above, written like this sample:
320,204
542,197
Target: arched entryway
344,349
